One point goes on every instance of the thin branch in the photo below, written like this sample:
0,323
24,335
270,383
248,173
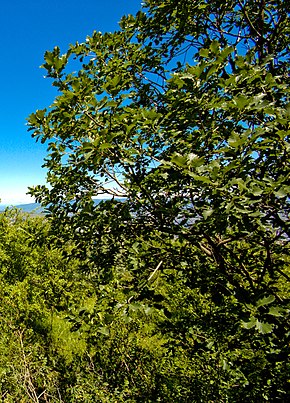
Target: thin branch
154,271
93,119
28,384
248,18
114,178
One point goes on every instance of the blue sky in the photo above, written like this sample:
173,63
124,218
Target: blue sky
27,29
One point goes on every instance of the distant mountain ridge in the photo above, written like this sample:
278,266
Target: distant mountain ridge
30,207
36,207
27,207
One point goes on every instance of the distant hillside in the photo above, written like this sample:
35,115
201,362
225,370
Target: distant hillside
27,208
30,207
36,207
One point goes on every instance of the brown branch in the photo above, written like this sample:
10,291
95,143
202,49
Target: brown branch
28,383
93,120
223,263
243,8
115,179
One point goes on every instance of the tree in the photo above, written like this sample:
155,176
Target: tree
184,114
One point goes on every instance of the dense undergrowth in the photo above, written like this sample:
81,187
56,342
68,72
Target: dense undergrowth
65,340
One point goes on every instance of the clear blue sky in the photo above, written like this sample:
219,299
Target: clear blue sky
27,29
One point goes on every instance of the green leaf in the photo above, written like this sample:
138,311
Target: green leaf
104,330
214,47
194,160
250,324
265,301
235,140
275,311
264,327
241,101
210,344
227,51
282,192
207,213
114,81
179,160
135,307
256,191
49,58
104,146
200,178
204,52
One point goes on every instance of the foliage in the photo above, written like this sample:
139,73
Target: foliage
184,115
36,291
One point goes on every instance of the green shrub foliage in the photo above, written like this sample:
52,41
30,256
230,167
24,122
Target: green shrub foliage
175,288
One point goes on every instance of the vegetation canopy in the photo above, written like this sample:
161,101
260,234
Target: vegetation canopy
183,114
